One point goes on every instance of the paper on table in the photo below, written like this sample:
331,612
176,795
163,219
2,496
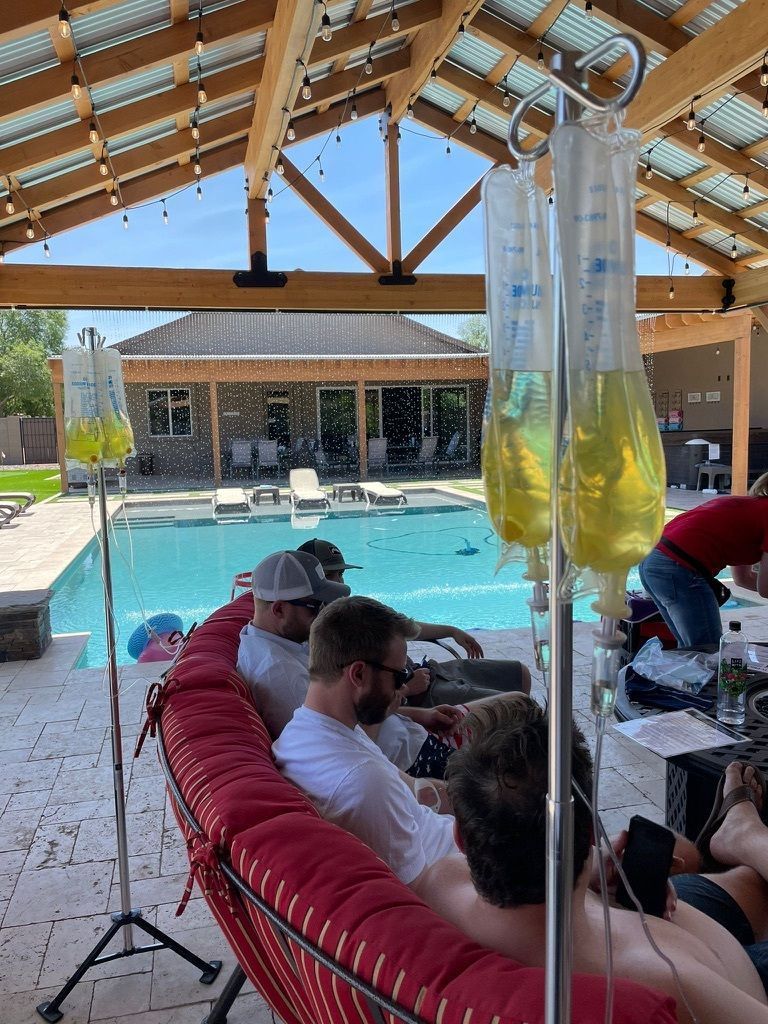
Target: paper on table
679,732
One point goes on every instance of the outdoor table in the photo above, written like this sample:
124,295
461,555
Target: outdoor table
266,490
339,490
692,778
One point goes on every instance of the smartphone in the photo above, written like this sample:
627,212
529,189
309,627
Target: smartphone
646,863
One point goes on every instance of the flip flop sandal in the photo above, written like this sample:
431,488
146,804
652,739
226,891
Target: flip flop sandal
720,809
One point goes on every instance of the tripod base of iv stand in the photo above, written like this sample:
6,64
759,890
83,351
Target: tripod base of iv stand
50,1011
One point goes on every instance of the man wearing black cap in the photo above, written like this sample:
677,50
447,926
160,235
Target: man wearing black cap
456,681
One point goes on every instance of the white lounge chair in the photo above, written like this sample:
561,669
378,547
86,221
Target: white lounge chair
25,499
306,490
8,511
229,501
374,491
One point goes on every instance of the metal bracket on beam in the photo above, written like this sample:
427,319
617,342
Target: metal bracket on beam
728,296
397,276
259,276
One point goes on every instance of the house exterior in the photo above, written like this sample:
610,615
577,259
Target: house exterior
319,380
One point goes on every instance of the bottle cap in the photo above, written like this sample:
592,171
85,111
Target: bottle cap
735,625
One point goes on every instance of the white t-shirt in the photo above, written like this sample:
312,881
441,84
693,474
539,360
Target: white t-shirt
352,784
277,671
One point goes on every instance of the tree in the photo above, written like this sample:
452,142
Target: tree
474,331
27,338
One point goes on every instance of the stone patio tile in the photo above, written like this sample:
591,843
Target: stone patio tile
617,818
56,741
196,915
149,892
31,678
647,780
12,861
174,857
17,829
97,840
59,711
42,694
190,1014
15,756
143,866
20,778
85,784
79,811
76,1007
21,953
8,669
176,982
12,703
22,736
4,799
52,846
3,908
23,801
8,884
616,791
146,795
53,894
128,994
77,762
71,942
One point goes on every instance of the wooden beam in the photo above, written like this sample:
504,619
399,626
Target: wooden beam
539,123
717,331
33,16
181,101
66,287
331,217
428,48
443,228
759,313
363,32
139,190
339,86
295,22
481,143
752,288
311,126
141,54
688,11
654,32
392,200
131,164
651,228
257,227
710,60
742,355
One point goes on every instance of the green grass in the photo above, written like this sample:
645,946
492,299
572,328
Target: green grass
41,482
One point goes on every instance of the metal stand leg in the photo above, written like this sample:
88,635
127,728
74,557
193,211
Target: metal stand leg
229,994
50,1011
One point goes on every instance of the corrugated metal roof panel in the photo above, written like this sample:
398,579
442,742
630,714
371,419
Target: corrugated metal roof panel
574,28
678,220
142,137
38,122
712,14
761,219
734,122
131,90
22,57
723,243
219,58
381,49
118,23
494,124
475,55
441,97
520,12
54,169
523,79
209,6
728,191
209,110
665,8
672,162
380,6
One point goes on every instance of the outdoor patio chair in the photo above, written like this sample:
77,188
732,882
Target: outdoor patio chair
426,456
374,491
267,457
240,456
25,499
230,501
306,490
450,457
377,453
8,512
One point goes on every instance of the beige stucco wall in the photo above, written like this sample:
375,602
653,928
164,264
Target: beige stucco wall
174,456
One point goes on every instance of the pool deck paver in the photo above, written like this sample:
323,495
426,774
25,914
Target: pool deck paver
58,878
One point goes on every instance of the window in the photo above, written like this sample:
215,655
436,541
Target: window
170,412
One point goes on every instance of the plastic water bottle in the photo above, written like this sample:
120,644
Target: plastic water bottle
732,676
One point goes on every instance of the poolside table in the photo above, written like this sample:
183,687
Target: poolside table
265,491
339,490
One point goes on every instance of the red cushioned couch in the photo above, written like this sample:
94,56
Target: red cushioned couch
322,888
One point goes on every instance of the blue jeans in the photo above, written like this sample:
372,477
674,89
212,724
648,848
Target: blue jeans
684,598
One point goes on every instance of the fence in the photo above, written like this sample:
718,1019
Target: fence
26,440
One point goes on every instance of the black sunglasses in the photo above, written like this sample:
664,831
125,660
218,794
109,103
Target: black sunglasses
401,676
314,606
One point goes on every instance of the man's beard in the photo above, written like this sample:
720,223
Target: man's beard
371,708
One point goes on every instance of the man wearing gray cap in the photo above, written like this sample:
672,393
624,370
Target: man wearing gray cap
289,590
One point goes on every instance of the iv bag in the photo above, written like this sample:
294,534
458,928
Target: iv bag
517,431
612,476
118,435
96,424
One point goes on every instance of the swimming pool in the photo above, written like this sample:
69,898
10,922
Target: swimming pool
436,564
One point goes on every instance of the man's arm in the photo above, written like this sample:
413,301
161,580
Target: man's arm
746,577
436,631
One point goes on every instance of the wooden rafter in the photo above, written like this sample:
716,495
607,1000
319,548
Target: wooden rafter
295,24
361,33
392,195
480,142
333,219
537,122
23,19
440,231
336,117
338,86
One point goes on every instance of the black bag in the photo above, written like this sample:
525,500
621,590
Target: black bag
718,588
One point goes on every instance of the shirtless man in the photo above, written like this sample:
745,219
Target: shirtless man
498,785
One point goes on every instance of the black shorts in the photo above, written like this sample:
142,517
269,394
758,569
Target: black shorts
432,759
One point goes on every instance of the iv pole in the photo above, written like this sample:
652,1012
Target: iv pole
126,917
567,74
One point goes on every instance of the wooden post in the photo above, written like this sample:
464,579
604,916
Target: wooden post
742,354
392,182
362,435
257,227
58,406
215,442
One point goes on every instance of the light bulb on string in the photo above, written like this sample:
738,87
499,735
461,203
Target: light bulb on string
199,43
197,167
306,85
764,70
472,124
461,30
765,104
648,169
399,136
448,147
734,250
690,122
125,221
30,228
266,214
46,249
291,131
114,199
74,82
103,168
695,216
199,191
671,289
506,98
93,134
270,195
353,112
369,61
687,268
165,214
321,172
326,32
433,73
280,166
195,128
745,190
202,95
540,58
394,20
65,29
338,139
9,206
702,145
551,199
588,9
409,108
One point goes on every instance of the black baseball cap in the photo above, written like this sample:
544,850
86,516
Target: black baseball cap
329,556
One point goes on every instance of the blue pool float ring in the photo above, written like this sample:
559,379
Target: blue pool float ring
165,622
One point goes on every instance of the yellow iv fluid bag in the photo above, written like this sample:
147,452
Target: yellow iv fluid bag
612,477
517,432
96,424
118,435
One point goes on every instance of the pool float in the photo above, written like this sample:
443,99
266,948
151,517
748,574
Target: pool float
156,639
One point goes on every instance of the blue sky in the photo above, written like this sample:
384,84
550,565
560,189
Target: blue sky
212,233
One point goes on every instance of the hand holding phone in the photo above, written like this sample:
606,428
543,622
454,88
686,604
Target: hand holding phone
646,864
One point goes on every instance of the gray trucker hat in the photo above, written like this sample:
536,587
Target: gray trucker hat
290,575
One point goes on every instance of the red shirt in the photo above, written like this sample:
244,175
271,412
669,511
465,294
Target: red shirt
732,530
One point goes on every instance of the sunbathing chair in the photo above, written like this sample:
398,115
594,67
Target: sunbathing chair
374,491
306,490
230,500
8,511
25,499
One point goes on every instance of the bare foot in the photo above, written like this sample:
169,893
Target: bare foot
729,844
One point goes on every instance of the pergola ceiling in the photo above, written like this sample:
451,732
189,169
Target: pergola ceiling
458,66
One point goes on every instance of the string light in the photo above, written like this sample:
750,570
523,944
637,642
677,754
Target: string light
74,81
551,199
506,99
114,199
540,58
687,267
765,104
326,32
764,70
745,190
353,111
202,95
648,169
199,191
409,108
266,214
433,73
65,29
195,127
399,136
46,249
393,18
447,147
734,250
461,31
690,123
321,172
695,214
197,168
270,195
165,214
588,9
306,85
291,132
473,122
93,135
338,139
702,143
280,166
30,229
9,207
125,221
199,41
103,168
369,61
671,289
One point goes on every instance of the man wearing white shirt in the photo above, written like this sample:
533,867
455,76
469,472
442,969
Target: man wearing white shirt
357,664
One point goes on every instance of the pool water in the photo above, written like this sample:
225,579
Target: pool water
436,564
